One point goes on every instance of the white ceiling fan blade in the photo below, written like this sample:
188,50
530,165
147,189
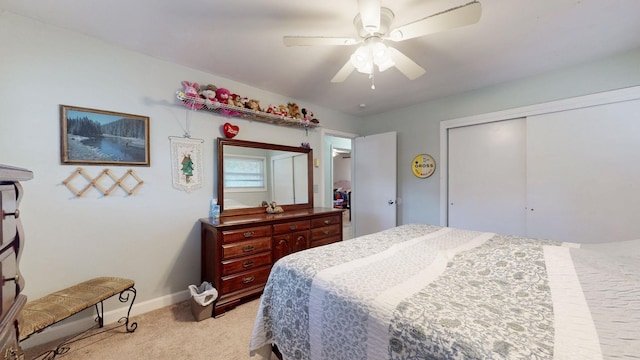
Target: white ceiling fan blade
343,73
405,65
317,40
370,15
456,17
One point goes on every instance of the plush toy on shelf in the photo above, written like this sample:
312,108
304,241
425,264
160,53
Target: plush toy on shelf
209,95
307,115
192,90
253,104
294,110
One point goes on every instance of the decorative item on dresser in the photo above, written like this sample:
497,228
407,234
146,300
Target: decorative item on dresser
11,244
239,248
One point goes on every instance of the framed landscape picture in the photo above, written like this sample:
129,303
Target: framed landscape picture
99,137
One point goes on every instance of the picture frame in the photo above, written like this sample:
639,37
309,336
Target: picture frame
101,137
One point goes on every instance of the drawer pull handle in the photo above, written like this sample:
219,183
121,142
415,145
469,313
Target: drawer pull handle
15,278
326,232
327,222
15,214
293,227
248,248
249,234
248,263
248,279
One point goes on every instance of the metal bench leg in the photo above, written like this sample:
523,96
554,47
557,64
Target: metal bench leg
124,297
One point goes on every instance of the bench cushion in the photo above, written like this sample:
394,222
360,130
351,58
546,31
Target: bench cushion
45,311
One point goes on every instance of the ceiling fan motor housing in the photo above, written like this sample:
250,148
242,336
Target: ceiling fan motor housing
386,17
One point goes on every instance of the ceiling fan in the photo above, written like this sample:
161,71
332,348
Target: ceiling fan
373,25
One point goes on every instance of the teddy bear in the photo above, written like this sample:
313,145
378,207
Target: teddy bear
223,94
253,104
192,92
294,110
283,110
209,95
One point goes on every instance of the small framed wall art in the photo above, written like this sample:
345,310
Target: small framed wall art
100,137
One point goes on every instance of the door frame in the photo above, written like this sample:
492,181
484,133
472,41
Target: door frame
608,97
327,161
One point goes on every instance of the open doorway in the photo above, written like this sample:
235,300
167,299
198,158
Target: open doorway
337,177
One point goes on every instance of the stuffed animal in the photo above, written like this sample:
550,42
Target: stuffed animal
209,95
307,115
294,110
253,104
273,109
283,110
223,95
274,209
192,90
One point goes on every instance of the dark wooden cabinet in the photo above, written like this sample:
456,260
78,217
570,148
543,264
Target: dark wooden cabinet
238,251
11,243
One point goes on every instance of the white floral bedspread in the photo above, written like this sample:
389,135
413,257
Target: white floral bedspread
425,292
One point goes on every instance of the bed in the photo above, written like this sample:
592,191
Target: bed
427,292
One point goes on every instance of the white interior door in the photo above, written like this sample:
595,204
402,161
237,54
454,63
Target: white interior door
374,183
583,173
487,177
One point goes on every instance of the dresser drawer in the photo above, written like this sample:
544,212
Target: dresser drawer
229,236
324,232
290,227
245,263
245,280
325,241
324,221
244,248
8,271
7,214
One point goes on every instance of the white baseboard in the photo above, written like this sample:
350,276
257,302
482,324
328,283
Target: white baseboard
84,320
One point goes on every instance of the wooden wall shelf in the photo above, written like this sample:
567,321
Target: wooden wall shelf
244,113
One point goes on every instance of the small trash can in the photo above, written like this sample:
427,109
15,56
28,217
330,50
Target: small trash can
202,298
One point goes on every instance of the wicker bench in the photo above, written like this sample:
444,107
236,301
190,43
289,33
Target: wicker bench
39,314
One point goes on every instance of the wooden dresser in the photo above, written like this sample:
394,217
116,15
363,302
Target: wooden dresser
238,251
11,244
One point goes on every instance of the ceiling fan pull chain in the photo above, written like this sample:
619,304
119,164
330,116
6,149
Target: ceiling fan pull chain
373,85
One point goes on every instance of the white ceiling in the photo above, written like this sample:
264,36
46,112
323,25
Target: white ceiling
242,40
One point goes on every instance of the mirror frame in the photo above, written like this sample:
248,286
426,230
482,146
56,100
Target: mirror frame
222,142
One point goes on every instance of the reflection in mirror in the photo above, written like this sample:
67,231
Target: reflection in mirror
251,173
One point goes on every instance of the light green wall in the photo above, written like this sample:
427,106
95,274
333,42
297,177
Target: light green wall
153,236
418,126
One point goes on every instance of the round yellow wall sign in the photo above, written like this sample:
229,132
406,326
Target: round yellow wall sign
423,165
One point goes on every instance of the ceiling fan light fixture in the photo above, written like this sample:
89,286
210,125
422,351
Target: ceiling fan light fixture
362,59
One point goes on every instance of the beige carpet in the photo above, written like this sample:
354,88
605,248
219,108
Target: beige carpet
169,333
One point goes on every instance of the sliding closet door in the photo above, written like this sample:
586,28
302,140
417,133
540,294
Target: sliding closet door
487,185
583,171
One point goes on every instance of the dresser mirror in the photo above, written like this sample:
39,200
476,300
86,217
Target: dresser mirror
252,172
